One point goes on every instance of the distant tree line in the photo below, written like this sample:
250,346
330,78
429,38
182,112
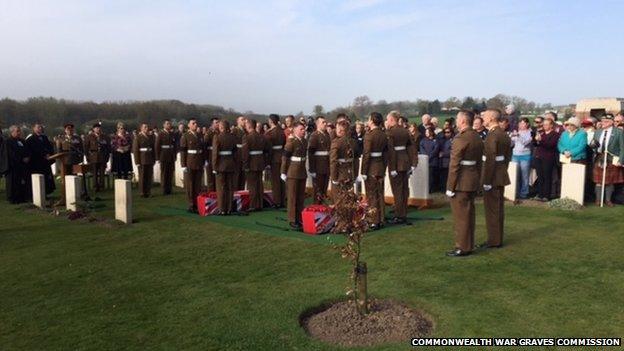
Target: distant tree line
54,113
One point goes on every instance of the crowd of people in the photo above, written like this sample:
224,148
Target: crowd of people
284,151
540,148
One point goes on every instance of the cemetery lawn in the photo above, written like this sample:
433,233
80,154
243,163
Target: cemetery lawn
172,282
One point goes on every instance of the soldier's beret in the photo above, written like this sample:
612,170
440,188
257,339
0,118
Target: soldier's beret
68,125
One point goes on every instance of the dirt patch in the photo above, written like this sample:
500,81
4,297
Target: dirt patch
389,322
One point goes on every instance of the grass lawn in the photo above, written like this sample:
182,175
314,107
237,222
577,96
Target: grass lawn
175,281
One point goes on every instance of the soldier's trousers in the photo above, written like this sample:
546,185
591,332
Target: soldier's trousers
211,183
239,180
256,189
225,191
146,177
295,188
462,206
400,191
375,198
98,169
167,170
277,185
494,203
319,184
192,185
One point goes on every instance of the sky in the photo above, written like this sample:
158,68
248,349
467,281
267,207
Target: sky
286,56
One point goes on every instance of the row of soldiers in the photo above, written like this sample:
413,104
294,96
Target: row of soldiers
289,156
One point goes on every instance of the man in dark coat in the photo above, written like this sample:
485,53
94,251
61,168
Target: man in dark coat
4,160
40,148
18,176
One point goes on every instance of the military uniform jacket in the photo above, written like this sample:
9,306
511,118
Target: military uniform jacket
143,149
166,147
341,159
239,134
97,148
496,157
375,153
465,164
615,146
294,158
255,152
192,151
73,145
224,152
318,152
401,150
277,140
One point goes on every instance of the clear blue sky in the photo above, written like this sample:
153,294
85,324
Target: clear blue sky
286,56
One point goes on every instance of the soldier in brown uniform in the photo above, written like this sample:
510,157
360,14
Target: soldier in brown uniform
402,161
277,140
255,155
239,132
97,149
192,159
496,157
374,161
224,156
318,159
463,182
71,144
294,173
341,158
208,137
166,151
144,158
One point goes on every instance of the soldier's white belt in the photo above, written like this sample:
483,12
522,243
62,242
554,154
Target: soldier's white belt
277,147
467,162
297,159
256,152
209,147
166,146
499,158
321,153
345,160
239,145
194,151
399,148
375,154
145,149
225,153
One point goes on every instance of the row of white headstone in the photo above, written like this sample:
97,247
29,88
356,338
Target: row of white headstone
572,186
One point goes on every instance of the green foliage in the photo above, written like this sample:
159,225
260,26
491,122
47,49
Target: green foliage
565,204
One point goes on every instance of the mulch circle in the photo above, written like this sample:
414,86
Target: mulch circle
388,322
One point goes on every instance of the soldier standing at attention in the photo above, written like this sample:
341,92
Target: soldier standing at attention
294,173
239,174
463,182
97,149
255,155
71,144
144,158
277,139
402,162
374,161
208,137
192,160
496,157
41,148
341,159
318,158
224,156
166,151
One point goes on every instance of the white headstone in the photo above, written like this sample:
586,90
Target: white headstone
38,190
73,190
178,175
573,181
135,169
510,190
123,200
157,172
419,184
